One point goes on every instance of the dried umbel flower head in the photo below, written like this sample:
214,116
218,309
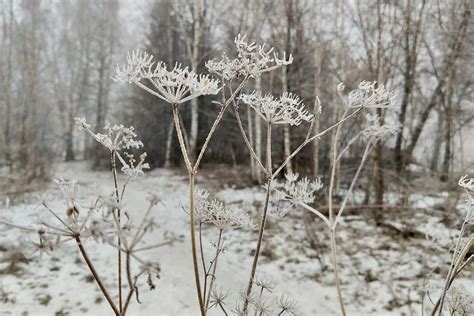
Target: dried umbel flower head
287,109
370,95
374,130
216,213
69,191
294,191
116,139
218,298
252,60
264,283
466,183
174,86
286,305
138,63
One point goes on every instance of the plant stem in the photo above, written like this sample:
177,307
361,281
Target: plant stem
263,220
131,284
451,267
191,175
336,272
95,275
214,268
119,243
193,244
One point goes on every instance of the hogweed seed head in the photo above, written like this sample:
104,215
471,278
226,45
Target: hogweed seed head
374,130
116,139
174,86
370,95
216,213
297,191
286,305
252,60
466,183
138,63
288,109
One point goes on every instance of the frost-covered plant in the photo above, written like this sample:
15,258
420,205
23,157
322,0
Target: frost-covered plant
290,110
301,192
287,109
215,213
99,220
462,247
295,191
265,300
117,139
179,85
175,86
252,60
370,95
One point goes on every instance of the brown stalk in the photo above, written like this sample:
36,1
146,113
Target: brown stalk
95,275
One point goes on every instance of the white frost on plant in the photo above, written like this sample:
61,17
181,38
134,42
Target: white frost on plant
132,168
374,130
174,86
370,95
297,191
216,213
252,60
118,138
287,109
138,63
466,183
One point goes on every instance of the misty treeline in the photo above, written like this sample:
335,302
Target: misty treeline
57,58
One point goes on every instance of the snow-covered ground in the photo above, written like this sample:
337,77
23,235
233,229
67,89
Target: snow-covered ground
383,272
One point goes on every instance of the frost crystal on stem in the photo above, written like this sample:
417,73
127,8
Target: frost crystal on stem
287,109
252,60
174,86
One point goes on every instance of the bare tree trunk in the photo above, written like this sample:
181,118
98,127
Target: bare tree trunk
169,141
250,131
411,54
316,126
286,128
69,138
448,132
437,144
99,116
7,35
198,16
378,158
258,133
448,67
285,80
169,136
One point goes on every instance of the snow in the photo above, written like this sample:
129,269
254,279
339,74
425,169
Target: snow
381,274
